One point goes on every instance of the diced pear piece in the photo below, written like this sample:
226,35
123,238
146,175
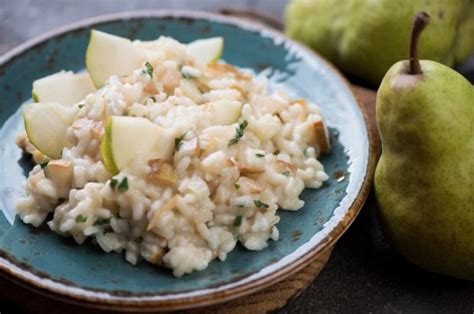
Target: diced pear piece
249,186
190,90
162,173
60,172
322,137
109,55
46,125
127,138
63,87
224,112
206,50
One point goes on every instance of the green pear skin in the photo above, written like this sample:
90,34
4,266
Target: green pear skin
364,38
464,44
424,180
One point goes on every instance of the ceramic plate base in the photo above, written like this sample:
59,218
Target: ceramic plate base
56,266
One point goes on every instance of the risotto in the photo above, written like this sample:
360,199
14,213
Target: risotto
238,154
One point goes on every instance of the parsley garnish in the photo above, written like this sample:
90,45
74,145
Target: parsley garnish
123,185
152,98
81,105
113,183
239,132
178,141
240,206
101,221
238,221
260,155
286,173
81,218
149,69
237,186
44,164
260,204
276,152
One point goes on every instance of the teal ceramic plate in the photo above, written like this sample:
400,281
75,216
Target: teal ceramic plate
58,267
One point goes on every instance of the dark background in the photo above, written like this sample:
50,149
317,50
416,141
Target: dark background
364,274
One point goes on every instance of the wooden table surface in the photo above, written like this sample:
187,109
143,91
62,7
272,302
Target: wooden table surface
363,274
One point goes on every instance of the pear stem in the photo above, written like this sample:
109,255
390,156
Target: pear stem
421,20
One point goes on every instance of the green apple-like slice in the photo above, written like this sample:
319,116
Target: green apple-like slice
46,125
109,55
63,87
206,50
224,112
127,138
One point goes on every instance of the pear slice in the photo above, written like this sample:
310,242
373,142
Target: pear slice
322,137
60,172
224,112
162,173
63,87
206,50
127,138
109,55
46,125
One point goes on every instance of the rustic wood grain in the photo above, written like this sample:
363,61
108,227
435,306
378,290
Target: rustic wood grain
263,301
367,97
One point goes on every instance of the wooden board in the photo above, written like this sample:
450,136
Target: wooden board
263,301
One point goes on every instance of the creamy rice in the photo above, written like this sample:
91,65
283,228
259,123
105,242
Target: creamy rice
224,193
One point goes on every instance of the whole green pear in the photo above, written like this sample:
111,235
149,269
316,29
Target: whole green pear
424,180
365,37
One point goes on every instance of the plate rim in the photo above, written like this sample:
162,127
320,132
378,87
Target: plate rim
71,294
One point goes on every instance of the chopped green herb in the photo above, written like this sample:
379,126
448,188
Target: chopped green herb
101,221
81,105
81,218
260,204
286,173
276,152
239,132
178,141
237,186
240,206
123,185
149,69
238,221
152,98
44,164
260,155
113,183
